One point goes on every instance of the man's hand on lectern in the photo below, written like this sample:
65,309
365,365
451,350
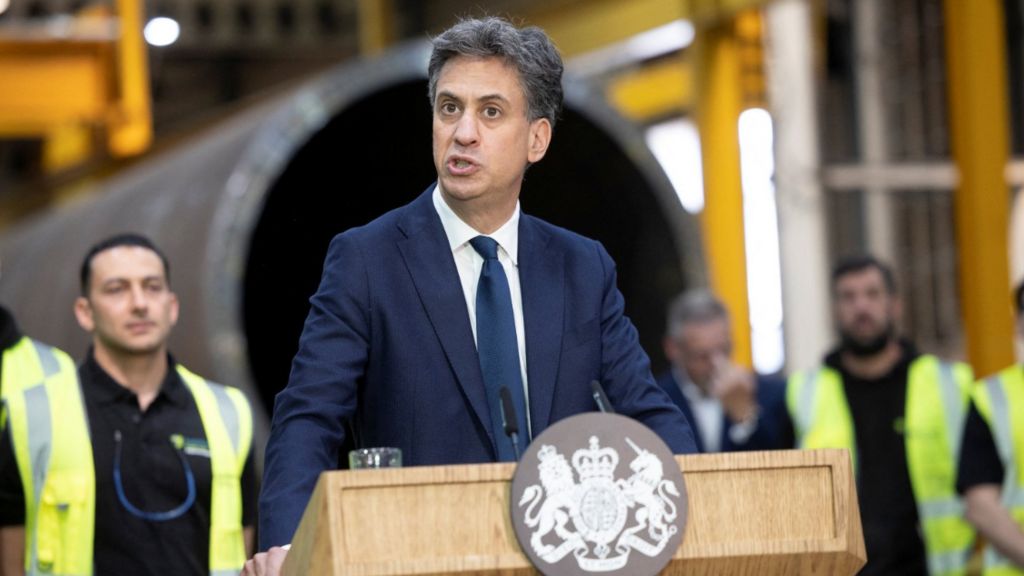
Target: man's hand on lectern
266,563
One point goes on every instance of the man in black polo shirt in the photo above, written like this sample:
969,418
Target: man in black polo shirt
158,436
899,412
991,461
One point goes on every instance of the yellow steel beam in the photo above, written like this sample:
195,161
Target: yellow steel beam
61,90
665,88
66,146
719,103
586,25
976,61
130,123
377,27
657,90
750,34
48,83
712,12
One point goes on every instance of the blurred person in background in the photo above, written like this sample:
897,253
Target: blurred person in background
24,363
991,476
901,414
137,465
728,406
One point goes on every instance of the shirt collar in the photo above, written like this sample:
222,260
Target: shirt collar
459,233
106,390
9,332
689,389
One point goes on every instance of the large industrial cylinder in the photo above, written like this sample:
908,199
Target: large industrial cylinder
245,212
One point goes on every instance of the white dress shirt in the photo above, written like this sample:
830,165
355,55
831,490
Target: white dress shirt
469,263
707,411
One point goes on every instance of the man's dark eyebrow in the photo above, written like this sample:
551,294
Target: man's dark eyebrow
488,97
485,98
447,94
151,278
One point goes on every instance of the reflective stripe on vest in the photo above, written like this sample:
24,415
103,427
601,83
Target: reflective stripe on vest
227,420
28,363
997,398
50,435
936,403
60,521
934,423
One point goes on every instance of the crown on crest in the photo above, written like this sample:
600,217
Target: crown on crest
596,462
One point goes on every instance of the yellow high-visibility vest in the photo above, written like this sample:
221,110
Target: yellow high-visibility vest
1000,401
58,474
57,539
934,418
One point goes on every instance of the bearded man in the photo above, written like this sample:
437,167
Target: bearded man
901,415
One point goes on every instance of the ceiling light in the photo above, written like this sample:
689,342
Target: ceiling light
160,31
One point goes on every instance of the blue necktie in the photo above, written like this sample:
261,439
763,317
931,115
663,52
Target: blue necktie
497,346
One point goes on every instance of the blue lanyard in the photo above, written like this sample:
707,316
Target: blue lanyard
172,514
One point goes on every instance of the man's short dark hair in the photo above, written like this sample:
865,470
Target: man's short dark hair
528,50
116,241
861,262
1018,300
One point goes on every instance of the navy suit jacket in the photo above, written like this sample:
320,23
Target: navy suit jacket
771,397
387,349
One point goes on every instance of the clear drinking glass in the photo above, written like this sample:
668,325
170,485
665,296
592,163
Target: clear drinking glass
381,457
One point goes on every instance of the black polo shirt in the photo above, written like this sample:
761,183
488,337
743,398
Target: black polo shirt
9,335
892,535
153,476
979,457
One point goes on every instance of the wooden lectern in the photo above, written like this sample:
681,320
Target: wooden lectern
764,513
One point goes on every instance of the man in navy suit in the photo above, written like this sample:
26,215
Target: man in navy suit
728,407
389,349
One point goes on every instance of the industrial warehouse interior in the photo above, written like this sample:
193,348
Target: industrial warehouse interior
742,146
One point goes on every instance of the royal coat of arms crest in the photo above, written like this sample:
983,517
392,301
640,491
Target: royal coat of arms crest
581,506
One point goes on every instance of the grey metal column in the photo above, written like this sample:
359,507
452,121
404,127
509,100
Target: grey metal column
874,144
799,193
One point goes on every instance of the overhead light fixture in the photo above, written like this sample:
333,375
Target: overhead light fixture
160,31
665,39
4,5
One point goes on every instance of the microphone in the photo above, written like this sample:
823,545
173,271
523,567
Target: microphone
508,419
600,398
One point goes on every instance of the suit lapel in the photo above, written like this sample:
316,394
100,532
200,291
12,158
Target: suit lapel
725,442
684,405
428,258
542,279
